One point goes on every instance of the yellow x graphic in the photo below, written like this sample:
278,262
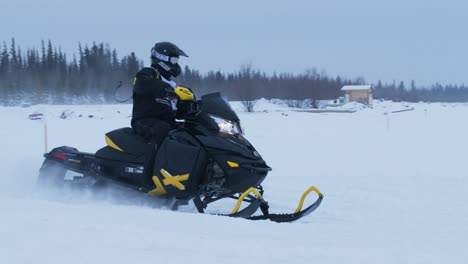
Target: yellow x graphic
174,180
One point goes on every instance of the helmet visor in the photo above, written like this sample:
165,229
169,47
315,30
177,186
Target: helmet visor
174,60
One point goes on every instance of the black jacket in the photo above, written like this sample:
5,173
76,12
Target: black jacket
151,97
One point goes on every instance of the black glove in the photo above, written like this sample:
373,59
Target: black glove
170,93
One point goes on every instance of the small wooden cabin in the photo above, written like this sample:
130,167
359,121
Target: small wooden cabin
358,93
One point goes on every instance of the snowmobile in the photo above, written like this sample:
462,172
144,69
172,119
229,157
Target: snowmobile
204,160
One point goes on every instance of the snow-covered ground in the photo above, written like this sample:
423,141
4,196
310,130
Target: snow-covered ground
395,186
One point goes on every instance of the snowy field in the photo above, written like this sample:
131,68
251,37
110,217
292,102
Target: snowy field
395,186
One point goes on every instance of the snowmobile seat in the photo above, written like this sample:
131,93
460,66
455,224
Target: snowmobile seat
127,141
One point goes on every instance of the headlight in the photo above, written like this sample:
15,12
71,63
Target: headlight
226,126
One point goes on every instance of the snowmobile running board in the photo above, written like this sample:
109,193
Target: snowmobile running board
257,201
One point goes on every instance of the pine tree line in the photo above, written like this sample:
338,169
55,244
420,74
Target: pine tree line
249,84
434,93
47,76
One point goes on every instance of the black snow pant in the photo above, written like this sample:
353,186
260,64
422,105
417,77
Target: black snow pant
154,130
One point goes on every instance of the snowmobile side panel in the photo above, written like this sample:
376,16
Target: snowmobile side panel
128,172
251,169
229,144
179,167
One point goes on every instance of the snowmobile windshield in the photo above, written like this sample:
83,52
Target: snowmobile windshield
214,104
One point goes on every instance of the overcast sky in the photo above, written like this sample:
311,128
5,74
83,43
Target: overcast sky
424,40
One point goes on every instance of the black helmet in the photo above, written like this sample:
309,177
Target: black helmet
165,57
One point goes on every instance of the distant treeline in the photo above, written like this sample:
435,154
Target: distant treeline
47,76
411,93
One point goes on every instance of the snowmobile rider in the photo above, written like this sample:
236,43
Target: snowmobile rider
154,99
